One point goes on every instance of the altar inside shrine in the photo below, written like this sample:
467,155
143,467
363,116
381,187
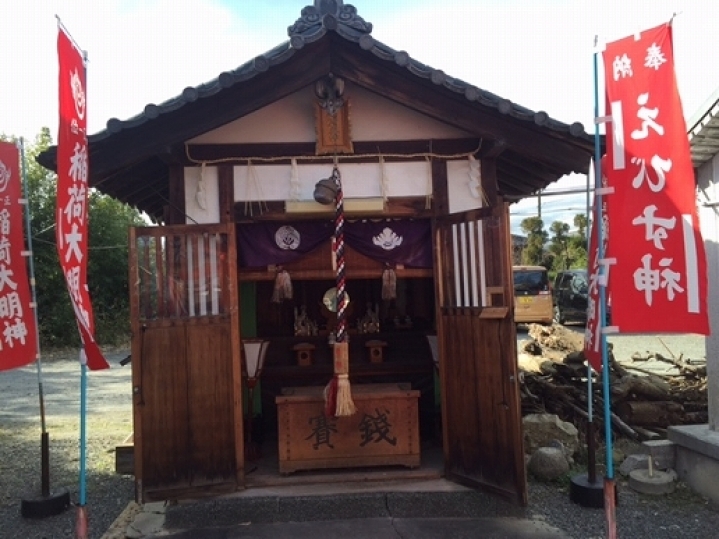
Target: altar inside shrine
383,431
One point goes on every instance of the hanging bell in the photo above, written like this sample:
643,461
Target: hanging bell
325,191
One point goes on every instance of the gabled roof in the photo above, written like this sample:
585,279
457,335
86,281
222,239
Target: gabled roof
704,131
129,159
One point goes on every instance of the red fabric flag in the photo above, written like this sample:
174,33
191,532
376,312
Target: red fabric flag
18,338
72,193
659,281
593,327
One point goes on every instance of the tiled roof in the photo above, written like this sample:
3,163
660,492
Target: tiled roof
704,131
314,22
131,157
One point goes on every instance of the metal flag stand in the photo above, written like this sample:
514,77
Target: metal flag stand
48,503
584,489
610,492
81,522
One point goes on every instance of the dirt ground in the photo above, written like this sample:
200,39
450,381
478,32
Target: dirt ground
571,337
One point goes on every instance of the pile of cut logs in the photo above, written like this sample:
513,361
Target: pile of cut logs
643,403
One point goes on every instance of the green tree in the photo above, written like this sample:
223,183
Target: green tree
108,220
568,250
559,246
581,222
578,243
533,253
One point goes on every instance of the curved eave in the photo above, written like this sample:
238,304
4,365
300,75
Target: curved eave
704,131
133,150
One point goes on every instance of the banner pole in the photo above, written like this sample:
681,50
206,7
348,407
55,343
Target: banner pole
83,433
44,442
48,504
81,524
609,485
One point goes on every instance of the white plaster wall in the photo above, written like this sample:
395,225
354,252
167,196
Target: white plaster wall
292,119
708,182
359,180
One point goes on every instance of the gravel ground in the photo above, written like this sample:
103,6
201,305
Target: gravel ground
109,421
682,514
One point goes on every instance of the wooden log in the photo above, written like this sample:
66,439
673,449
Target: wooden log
623,427
647,434
651,413
645,387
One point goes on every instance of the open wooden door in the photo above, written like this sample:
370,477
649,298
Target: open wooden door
481,413
186,370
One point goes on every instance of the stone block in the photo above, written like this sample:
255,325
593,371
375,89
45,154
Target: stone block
637,461
541,429
663,453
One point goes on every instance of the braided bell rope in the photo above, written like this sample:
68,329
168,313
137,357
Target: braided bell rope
340,259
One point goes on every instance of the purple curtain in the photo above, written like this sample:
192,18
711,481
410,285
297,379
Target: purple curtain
407,242
392,242
262,244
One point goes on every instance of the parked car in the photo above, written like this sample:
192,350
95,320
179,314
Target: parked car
571,294
532,295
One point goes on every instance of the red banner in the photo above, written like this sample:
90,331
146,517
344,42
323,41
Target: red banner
18,338
595,321
72,192
659,281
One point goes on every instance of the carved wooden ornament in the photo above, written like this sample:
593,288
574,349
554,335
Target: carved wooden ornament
333,131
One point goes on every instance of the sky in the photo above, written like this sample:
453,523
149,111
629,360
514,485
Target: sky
537,53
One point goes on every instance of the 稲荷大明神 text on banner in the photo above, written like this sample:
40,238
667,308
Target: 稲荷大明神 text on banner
72,192
18,339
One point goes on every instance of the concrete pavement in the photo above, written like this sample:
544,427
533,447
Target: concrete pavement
394,509
381,528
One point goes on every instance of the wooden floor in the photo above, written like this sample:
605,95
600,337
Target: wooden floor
264,472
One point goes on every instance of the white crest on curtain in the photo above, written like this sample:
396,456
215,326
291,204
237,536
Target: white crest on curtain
287,238
387,239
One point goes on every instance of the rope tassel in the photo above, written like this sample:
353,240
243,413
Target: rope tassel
338,390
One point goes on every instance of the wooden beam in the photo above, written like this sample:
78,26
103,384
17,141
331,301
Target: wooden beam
466,216
491,150
274,210
414,149
329,274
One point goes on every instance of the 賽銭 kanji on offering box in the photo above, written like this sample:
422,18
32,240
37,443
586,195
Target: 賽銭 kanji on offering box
384,431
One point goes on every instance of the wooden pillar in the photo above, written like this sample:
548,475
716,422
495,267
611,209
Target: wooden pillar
226,192
175,211
488,175
440,190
